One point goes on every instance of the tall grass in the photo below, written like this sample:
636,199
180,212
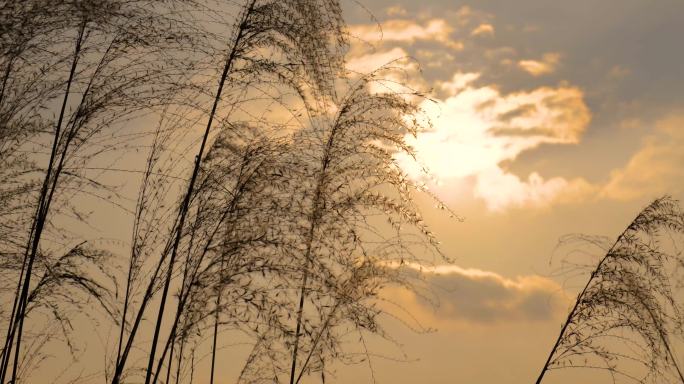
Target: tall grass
282,229
623,320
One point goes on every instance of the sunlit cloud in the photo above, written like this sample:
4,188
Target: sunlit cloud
474,296
548,64
477,129
407,31
484,29
535,191
655,168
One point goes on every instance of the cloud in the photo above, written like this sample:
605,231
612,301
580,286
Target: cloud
618,72
397,68
396,10
434,58
483,297
407,31
484,29
477,129
535,191
546,65
465,14
656,168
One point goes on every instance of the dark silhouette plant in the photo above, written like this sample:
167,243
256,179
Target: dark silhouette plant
625,319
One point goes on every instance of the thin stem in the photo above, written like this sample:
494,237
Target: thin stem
216,323
545,368
5,78
6,351
663,338
168,367
134,256
300,312
188,195
180,360
138,319
43,209
316,340
171,340
315,215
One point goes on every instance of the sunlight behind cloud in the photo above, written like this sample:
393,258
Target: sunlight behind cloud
476,129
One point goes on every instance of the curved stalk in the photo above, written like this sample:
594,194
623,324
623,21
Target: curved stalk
188,195
40,220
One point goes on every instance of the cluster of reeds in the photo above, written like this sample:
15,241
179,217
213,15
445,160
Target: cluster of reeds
262,226
265,205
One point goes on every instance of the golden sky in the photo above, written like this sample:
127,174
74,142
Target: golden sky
550,118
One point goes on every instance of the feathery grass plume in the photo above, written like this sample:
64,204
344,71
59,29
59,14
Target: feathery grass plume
625,319
29,81
274,44
79,71
230,243
152,218
74,285
350,215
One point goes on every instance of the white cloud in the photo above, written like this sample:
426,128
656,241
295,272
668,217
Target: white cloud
535,191
546,65
476,129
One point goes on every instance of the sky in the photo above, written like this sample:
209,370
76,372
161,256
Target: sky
550,118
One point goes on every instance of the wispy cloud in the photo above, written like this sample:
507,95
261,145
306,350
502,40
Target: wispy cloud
407,31
398,69
484,29
396,10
